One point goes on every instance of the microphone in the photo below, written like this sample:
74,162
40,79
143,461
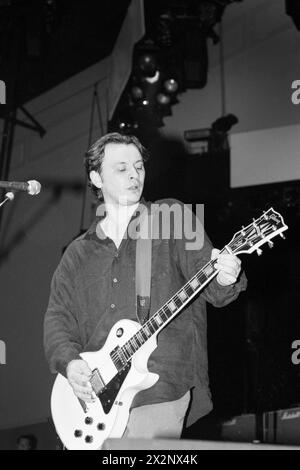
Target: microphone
32,187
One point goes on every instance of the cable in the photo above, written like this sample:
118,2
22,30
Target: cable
222,71
95,100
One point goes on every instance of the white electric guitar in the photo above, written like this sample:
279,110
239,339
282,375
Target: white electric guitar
120,367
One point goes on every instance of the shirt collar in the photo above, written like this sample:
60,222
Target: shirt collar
91,232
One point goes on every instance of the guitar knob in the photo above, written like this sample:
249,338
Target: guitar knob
88,420
88,439
101,426
259,251
78,433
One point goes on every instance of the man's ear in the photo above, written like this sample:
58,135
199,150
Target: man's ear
96,179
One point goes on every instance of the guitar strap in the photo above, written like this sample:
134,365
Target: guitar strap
143,266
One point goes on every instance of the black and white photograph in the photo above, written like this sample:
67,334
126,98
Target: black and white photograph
149,227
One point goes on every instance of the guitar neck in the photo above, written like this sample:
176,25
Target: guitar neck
170,309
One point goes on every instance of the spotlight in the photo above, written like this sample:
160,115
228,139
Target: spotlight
163,99
126,126
136,93
122,125
171,85
147,64
153,79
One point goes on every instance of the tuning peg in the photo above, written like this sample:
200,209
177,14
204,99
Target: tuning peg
282,236
259,251
271,244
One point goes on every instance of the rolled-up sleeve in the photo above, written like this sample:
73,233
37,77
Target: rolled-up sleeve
219,296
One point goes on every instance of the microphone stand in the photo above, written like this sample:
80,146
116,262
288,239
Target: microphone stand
9,197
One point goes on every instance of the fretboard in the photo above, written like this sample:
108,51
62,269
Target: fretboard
168,311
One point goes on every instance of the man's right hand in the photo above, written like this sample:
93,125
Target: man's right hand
78,375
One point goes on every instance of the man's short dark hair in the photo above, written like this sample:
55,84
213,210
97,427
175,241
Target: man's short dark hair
95,154
31,438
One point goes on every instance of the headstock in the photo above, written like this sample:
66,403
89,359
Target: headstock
260,231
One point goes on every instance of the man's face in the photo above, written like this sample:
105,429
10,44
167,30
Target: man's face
122,176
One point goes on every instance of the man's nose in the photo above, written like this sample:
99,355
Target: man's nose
133,172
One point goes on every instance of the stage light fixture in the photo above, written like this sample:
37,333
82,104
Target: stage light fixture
136,93
153,79
147,65
163,99
171,85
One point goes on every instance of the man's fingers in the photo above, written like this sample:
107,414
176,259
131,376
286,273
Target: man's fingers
79,374
233,270
84,369
85,397
79,370
79,366
229,259
214,253
229,267
80,379
83,392
81,389
225,258
230,279
227,263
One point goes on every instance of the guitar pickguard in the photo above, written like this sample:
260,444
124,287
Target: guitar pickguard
109,392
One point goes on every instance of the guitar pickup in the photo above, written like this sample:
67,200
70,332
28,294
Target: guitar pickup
97,382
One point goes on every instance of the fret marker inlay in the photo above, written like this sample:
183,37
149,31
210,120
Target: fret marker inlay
182,295
194,283
208,270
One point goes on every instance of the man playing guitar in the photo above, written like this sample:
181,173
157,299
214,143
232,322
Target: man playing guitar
94,287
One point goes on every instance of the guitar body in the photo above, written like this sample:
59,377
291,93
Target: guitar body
85,426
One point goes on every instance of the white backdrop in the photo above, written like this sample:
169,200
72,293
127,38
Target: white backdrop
265,156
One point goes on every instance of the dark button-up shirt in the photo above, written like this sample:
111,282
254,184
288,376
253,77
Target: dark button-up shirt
94,287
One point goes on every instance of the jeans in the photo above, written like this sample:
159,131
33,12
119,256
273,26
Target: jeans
160,420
